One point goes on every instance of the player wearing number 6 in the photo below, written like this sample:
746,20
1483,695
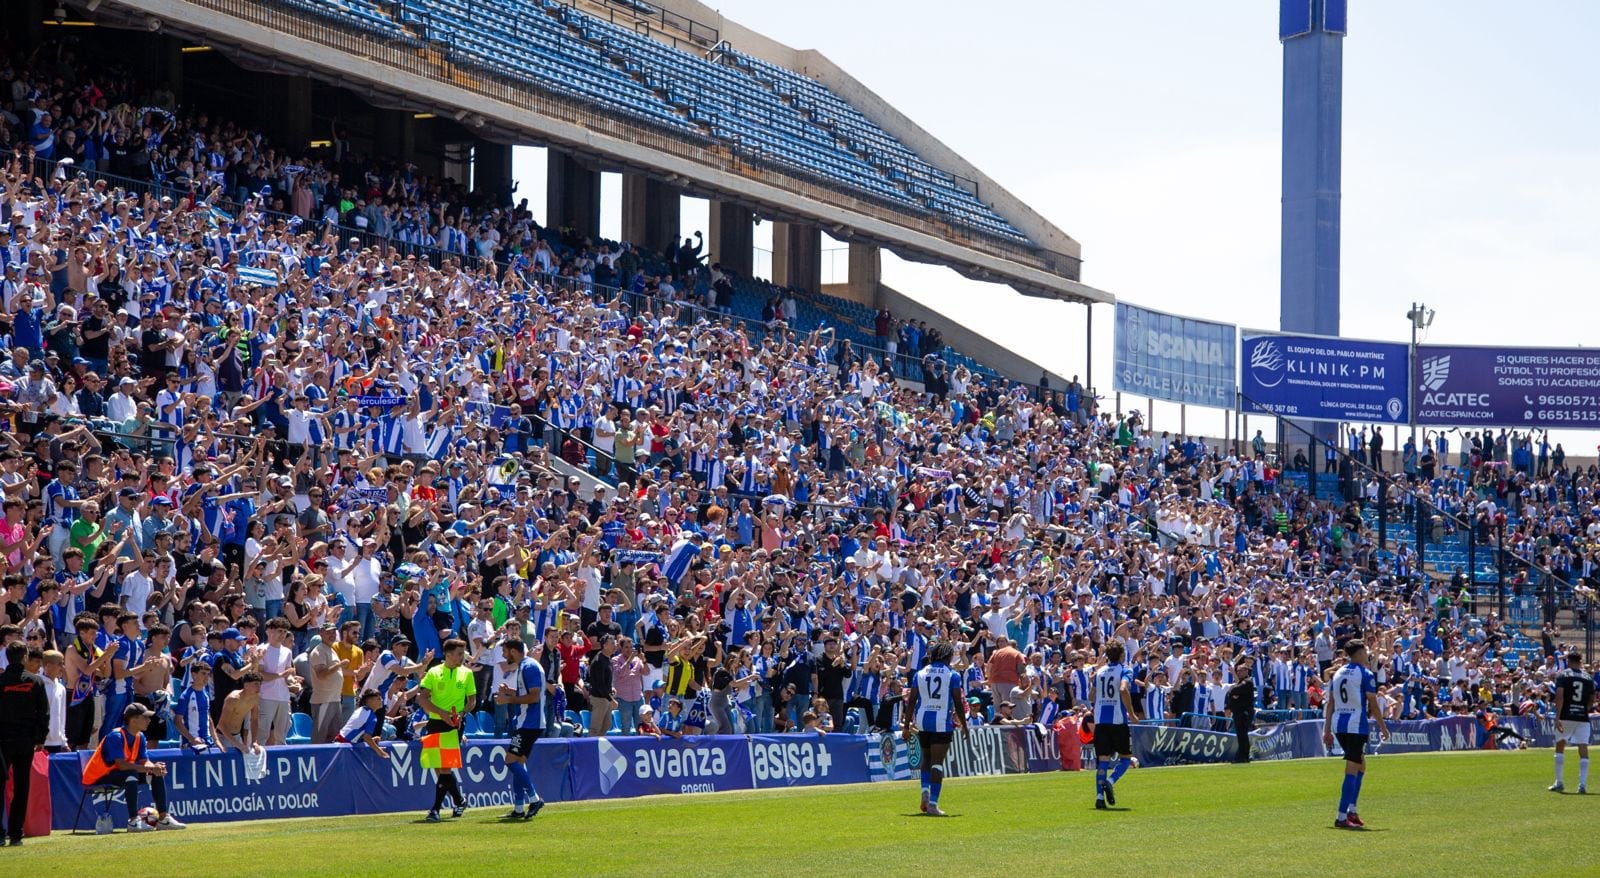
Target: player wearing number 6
1113,711
933,708
1352,705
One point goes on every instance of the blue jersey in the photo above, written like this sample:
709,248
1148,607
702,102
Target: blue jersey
1107,686
194,709
1347,697
529,677
938,698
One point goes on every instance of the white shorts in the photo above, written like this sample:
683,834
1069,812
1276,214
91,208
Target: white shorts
1575,732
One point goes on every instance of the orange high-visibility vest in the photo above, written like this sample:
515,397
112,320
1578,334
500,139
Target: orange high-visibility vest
98,767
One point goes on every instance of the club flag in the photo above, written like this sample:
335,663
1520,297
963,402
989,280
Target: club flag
442,750
265,277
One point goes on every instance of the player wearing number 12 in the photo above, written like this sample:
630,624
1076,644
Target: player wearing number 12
1352,704
1113,711
1574,698
933,708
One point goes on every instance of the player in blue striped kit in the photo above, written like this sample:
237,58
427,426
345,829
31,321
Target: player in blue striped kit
1113,711
1352,704
933,709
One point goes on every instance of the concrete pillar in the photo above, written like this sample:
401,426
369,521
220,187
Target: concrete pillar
732,238
650,211
866,274
797,256
491,171
572,194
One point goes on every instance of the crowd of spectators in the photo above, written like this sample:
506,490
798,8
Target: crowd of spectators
253,468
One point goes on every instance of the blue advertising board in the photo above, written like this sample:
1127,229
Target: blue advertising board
1178,359
315,781
1508,387
1326,379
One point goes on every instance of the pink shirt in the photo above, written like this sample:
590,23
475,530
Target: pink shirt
627,677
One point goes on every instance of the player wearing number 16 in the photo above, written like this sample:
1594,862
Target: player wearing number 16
933,708
1352,705
1113,711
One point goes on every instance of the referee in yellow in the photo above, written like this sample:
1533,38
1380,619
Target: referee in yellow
448,693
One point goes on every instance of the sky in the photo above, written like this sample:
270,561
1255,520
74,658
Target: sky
1150,132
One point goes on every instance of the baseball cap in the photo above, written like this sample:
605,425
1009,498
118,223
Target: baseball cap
232,634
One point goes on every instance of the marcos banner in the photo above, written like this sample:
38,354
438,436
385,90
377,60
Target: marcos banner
1178,359
1329,379
1508,387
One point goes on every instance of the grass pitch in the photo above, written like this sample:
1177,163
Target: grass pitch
1478,813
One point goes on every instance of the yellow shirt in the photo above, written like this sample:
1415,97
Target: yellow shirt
448,689
353,653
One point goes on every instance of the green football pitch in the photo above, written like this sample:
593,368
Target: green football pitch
1461,813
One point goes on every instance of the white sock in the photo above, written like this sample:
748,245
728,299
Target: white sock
1583,772
1561,761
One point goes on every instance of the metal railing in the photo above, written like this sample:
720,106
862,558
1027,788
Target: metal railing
1395,495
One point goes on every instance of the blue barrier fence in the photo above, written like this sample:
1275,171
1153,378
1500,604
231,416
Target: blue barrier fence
340,779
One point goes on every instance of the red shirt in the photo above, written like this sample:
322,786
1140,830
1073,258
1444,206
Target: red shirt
571,654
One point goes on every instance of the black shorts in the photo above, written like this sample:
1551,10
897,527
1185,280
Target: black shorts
1112,740
1354,747
522,741
927,738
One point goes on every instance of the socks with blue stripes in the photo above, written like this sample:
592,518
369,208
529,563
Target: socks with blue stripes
936,780
521,785
1347,795
1100,780
927,780
1120,770
1355,791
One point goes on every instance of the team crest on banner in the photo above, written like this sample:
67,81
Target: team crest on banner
914,754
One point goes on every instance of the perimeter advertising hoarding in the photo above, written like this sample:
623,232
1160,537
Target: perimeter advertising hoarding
1322,378
1178,359
1508,387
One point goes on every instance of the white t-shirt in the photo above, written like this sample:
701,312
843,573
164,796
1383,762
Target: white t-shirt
136,589
605,434
276,660
364,580
55,693
590,577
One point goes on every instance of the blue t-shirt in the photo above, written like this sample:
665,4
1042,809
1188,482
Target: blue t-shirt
530,678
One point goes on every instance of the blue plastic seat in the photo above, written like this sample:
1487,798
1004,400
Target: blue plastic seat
299,728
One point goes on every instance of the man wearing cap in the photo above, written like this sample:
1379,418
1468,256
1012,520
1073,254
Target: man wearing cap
327,684
123,759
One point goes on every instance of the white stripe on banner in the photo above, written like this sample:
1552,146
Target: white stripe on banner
265,277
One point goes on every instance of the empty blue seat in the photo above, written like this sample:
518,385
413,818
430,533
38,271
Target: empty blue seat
299,728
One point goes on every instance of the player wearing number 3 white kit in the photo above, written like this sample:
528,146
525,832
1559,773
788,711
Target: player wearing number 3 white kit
933,708
1351,702
1574,698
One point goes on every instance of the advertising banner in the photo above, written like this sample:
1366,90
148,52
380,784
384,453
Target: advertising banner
807,760
212,787
985,750
622,767
1178,359
1508,387
1328,379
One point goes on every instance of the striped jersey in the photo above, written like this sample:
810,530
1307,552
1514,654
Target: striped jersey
1107,686
528,678
1347,693
938,698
